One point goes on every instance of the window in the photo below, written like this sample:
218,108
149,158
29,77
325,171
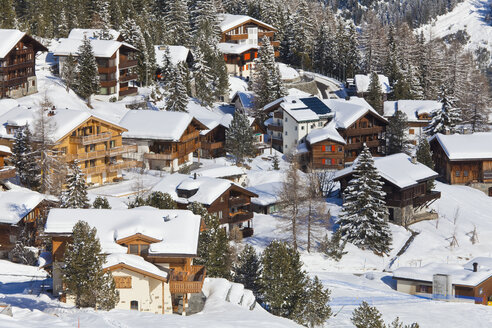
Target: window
295,128
340,149
411,131
220,215
333,161
285,132
98,130
286,119
320,123
134,305
312,126
103,91
333,148
465,173
286,147
302,127
123,282
92,147
112,144
457,173
133,249
144,249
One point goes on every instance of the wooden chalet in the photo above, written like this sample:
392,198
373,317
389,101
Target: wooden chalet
406,184
212,142
21,209
325,149
17,63
230,202
95,143
6,171
240,39
165,140
463,158
116,63
149,254
470,283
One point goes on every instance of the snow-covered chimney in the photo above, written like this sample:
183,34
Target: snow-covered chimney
475,266
414,159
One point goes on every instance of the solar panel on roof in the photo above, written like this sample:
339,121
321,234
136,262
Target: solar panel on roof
316,105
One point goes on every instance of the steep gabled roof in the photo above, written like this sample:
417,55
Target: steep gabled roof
16,204
134,263
10,37
347,112
101,48
459,147
329,132
228,21
412,108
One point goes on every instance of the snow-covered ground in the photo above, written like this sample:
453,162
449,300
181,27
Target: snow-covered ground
470,16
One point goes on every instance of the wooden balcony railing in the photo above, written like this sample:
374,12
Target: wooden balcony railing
129,91
207,145
86,156
128,77
238,201
106,70
181,282
421,200
25,64
7,172
274,127
108,84
95,169
91,139
363,131
167,157
122,150
122,165
278,114
14,81
237,217
190,136
128,64
358,145
236,37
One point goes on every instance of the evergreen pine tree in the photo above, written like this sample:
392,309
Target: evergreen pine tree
374,94
8,18
424,156
177,99
167,68
177,23
69,72
203,78
445,118
214,250
239,138
276,162
247,270
161,200
315,309
75,196
362,221
24,160
83,272
366,316
283,281
333,247
88,75
101,202
132,33
396,134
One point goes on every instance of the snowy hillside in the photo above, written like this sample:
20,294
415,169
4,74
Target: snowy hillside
469,16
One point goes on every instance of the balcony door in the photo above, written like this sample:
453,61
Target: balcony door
253,35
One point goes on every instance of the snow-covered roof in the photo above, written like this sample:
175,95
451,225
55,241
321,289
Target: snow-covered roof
362,82
157,125
91,33
397,169
208,188
177,230
294,92
177,54
9,38
305,109
349,111
245,97
101,48
229,21
5,149
134,261
220,171
287,72
412,108
329,132
211,119
235,48
459,274
64,120
466,146
267,193
16,204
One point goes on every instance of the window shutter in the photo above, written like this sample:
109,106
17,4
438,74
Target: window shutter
333,148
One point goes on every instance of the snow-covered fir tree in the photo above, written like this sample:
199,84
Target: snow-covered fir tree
88,74
177,99
161,200
24,159
445,118
247,270
83,273
240,138
69,72
167,67
266,83
283,280
177,23
101,202
275,162
102,19
362,221
374,94
75,196
214,250
315,310
333,247
132,33
424,156
396,134
203,78
366,316
204,22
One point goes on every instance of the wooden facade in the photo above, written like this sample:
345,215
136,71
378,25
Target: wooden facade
17,68
212,144
6,172
368,129
327,154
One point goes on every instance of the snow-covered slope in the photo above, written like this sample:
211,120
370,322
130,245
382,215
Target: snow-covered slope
470,16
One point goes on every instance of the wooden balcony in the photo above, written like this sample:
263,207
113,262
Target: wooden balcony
122,166
274,127
278,114
106,70
12,67
428,197
236,37
359,145
363,131
167,157
206,145
237,217
7,172
94,170
190,136
86,156
181,282
128,63
108,84
276,141
128,77
267,34
125,149
10,82
238,201
129,91
91,139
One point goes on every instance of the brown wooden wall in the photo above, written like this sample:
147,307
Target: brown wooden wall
327,154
